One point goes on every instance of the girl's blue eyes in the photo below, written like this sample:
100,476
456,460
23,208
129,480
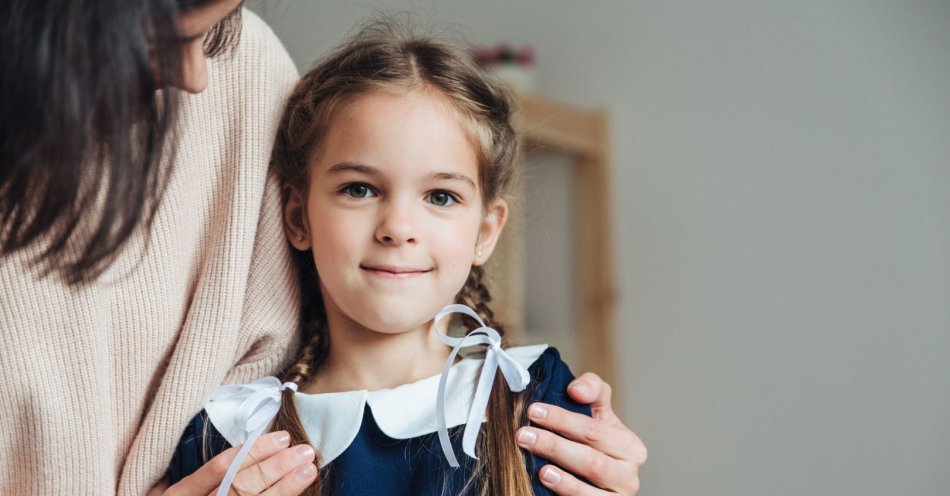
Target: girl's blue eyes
442,198
357,190
438,198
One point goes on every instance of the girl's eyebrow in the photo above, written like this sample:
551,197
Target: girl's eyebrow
452,176
353,167
372,171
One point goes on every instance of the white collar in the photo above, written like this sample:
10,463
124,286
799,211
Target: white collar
332,420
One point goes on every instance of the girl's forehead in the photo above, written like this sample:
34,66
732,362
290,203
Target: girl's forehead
372,103
409,132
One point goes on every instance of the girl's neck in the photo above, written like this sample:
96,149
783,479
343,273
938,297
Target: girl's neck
361,358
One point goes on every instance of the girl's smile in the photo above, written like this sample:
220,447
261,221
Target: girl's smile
394,271
394,213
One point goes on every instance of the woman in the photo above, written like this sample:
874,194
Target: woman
141,264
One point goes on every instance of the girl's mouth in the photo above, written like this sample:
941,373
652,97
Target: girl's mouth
394,271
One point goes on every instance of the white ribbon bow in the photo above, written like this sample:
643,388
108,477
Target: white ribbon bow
253,416
496,358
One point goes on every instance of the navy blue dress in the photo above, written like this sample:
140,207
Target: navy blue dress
375,463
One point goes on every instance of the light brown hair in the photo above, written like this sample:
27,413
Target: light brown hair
383,56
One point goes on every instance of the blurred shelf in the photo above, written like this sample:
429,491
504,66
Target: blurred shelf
561,126
551,126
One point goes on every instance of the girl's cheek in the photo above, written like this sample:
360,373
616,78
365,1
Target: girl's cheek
460,244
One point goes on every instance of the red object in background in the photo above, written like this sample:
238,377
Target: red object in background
503,54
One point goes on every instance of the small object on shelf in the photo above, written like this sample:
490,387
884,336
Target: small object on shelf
515,66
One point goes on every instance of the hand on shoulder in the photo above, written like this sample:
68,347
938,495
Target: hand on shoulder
272,467
601,449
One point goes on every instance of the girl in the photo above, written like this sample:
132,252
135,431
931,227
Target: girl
394,155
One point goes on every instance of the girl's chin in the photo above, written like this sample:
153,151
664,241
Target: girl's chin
387,325
395,315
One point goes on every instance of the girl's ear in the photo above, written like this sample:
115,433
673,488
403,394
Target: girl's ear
492,225
295,218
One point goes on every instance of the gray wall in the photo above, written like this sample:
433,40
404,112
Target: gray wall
782,205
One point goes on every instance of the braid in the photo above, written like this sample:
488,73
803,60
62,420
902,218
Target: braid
502,469
475,295
303,368
313,322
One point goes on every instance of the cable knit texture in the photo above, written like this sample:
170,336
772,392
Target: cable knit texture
98,381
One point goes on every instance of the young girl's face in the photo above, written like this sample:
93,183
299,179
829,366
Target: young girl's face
394,212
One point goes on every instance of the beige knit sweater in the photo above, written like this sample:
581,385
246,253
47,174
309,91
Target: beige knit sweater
98,381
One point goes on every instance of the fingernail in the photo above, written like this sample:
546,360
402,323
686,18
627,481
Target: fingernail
550,476
283,437
581,388
306,472
303,452
526,437
537,412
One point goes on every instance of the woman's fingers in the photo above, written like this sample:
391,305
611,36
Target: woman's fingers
208,477
601,449
565,484
257,478
271,465
295,482
602,470
158,489
618,442
590,389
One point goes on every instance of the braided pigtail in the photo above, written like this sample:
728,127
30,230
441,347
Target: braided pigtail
313,353
501,468
475,295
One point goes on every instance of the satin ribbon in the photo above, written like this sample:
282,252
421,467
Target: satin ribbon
496,358
253,416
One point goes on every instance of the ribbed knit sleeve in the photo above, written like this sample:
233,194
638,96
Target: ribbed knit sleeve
99,380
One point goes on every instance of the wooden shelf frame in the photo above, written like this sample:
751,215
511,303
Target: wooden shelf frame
584,135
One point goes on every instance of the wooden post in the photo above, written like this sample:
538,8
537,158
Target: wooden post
595,271
584,135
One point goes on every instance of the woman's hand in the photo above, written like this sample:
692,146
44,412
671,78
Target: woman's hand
600,449
272,468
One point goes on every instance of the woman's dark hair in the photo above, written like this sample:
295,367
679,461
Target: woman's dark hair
84,131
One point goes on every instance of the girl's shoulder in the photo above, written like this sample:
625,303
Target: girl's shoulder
550,376
203,437
199,443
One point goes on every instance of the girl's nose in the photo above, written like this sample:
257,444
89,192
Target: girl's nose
396,226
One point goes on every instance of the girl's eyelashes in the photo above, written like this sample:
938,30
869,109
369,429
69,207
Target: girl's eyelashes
439,198
442,198
358,190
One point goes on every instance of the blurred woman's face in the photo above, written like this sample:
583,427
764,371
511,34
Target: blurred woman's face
193,27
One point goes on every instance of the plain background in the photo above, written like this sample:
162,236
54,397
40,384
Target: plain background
782,213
